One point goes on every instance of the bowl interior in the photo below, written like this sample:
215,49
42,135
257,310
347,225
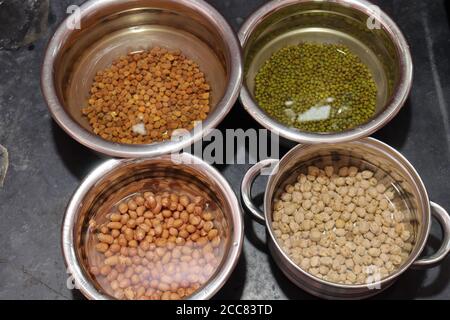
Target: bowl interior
324,22
393,172
121,27
137,176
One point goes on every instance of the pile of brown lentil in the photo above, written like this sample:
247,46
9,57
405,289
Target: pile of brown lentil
310,76
343,226
143,97
156,246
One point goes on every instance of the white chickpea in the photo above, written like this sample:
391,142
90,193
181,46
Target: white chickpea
363,226
286,196
305,263
320,227
329,170
306,204
350,208
408,247
315,235
299,217
340,232
374,252
289,188
366,244
366,174
335,215
326,261
315,261
405,235
294,226
340,241
383,204
360,250
364,185
303,243
324,270
284,227
396,260
321,251
289,208
390,195
306,225
351,277
297,197
349,263
314,271
361,212
375,228
384,257
332,223
329,225
380,188
340,181
352,171
333,276
347,200
358,259
375,242
373,182
315,209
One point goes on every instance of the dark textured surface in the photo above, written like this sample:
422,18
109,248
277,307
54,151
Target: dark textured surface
22,22
46,165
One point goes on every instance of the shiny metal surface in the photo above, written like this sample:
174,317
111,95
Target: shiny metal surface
246,188
112,177
367,153
444,220
111,28
288,22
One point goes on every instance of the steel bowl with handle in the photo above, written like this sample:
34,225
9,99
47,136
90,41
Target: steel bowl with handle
367,153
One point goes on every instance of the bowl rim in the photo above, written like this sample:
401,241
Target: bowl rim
393,106
223,272
376,146
91,140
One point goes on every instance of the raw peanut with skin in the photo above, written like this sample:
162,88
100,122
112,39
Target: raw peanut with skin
157,246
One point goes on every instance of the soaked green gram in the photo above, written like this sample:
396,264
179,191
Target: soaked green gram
328,77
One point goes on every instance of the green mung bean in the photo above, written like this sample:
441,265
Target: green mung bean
317,88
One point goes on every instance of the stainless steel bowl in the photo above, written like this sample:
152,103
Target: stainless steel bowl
112,177
111,28
366,153
289,22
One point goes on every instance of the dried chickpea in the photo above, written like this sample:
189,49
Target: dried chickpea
338,223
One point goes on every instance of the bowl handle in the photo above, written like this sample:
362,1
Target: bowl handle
246,188
444,220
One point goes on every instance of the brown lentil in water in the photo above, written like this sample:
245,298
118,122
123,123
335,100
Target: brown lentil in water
316,88
143,97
